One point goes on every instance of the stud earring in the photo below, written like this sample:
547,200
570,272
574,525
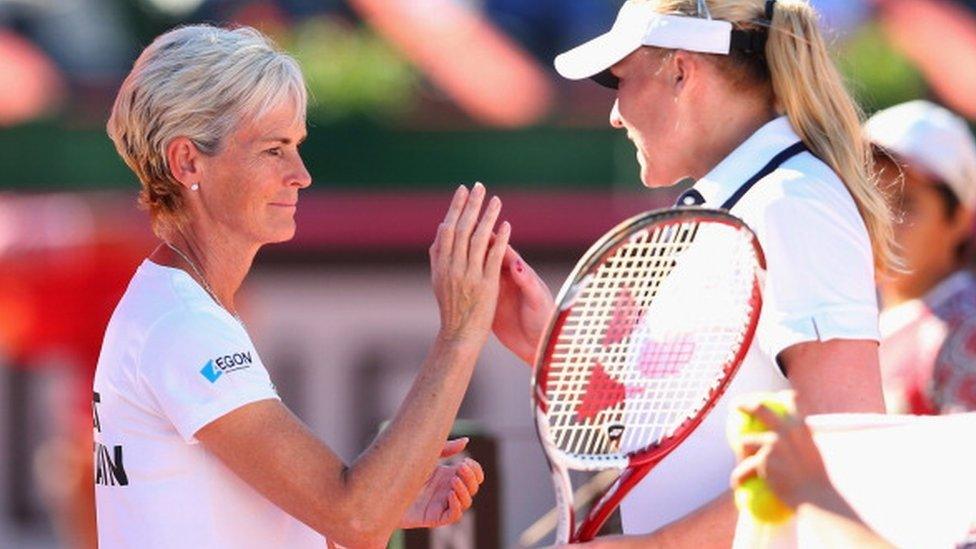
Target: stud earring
195,187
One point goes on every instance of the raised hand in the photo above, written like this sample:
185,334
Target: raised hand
466,262
524,308
786,457
448,493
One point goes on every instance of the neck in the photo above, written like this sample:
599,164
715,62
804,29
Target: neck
222,260
724,127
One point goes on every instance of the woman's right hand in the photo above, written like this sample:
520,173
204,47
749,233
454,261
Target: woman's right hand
786,457
465,265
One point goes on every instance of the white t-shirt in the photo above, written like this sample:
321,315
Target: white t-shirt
819,286
173,361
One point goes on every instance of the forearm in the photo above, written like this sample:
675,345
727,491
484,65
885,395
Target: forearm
399,461
712,525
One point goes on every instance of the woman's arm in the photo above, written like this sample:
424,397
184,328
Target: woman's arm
362,504
834,376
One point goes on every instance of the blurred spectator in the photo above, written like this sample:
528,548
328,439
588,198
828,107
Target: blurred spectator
928,321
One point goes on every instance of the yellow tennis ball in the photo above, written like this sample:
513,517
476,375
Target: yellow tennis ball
740,423
755,497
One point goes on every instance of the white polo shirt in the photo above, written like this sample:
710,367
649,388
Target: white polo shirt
173,361
819,286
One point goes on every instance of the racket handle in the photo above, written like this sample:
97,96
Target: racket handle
602,509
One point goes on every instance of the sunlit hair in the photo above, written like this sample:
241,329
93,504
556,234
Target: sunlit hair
198,82
809,89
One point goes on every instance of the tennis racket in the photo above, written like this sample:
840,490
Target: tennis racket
648,331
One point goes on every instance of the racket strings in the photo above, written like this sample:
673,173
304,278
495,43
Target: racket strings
620,379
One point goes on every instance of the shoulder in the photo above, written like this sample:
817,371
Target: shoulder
804,201
805,183
192,325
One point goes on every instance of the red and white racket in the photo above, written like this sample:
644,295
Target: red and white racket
648,332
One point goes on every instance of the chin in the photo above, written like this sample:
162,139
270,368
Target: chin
654,181
280,234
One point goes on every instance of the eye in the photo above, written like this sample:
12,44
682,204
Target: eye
276,151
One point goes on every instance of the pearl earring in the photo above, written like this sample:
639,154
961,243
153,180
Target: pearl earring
195,187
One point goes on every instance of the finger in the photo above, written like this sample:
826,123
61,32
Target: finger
511,256
769,418
482,234
454,447
750,444
454,509
446,230
479,472
468,477
458,201
461,491
745,470
466,223
493,264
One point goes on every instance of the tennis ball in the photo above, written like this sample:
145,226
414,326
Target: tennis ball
741,423
755,496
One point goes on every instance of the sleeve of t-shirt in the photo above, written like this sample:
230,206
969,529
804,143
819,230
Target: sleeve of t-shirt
199,366
820,271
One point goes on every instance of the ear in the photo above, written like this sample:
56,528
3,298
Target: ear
684,67
184,161
962,224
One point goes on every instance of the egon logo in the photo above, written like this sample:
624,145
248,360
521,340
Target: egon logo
226,364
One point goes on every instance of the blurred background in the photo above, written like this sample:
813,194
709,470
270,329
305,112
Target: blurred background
410,99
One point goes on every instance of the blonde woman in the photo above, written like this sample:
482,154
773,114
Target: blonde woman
193,446
741,96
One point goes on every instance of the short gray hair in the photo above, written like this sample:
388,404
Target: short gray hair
198,82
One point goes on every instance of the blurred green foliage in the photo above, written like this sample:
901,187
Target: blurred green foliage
876,72
351,72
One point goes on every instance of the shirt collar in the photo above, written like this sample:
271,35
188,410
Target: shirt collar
747,159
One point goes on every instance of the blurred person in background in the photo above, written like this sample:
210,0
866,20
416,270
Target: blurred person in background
193,447
743,97
928,317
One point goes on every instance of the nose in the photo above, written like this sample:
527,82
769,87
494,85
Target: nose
615,119
302,178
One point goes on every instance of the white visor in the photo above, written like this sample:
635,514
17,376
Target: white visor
639,25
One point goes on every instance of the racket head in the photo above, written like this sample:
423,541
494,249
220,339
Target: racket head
649,329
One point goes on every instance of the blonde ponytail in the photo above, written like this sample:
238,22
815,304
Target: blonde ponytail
808,88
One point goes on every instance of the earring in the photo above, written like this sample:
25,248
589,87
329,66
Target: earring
195,187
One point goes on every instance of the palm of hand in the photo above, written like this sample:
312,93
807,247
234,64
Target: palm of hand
523,311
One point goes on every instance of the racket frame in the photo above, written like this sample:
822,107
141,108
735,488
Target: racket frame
638,464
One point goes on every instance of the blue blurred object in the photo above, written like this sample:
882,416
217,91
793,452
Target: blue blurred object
548,27
841,17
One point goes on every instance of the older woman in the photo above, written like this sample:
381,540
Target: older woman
742,96
193,446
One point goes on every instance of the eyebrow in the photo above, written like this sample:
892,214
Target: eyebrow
283,140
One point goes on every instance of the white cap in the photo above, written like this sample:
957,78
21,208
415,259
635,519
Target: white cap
638,24
933,139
